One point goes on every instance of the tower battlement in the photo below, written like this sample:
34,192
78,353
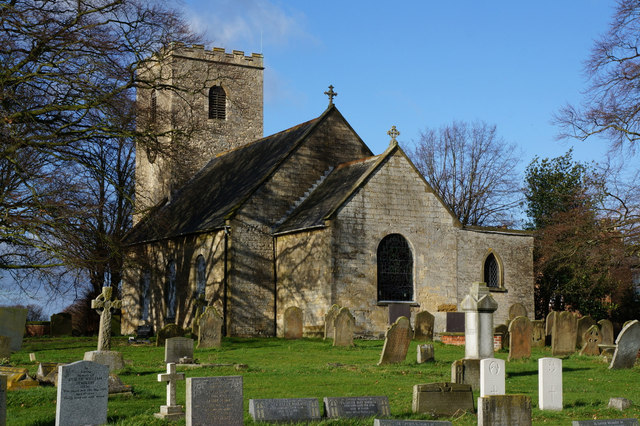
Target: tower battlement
217,54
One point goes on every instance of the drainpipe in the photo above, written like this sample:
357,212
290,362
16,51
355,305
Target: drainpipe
225,280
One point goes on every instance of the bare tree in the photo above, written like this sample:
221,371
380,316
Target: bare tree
472,169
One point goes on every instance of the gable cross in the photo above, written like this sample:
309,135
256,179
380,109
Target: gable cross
394,133
103,304
171,377
331,94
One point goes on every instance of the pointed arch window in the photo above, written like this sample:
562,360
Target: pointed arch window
395,269
170,293
492,275
217,103
201,278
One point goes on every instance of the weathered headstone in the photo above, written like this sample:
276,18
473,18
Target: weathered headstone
171,411
144,331
606,331
3,400
328,321
517,310
116,387
442,399
398,422
396,342
343,327
176,348
606,422
293,323
210,329
423,326
356,406
504,410
284,410
425,353
12,322
215,401
563,337
520,332
61,324
111,359
466,371
627,346
584,324
619,403
492,377
169,330
104,305
18,378
83,392
548,326
537,334
590,341
503,330
550,384
5,347
478,307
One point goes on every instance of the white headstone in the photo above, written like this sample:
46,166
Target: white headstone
550,384
492,377
83,392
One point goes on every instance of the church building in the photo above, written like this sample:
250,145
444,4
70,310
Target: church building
308,217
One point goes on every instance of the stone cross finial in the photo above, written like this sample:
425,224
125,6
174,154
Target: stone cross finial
394,133
171,410
103,304
331,94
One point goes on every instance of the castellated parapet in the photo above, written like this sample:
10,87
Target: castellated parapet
218,54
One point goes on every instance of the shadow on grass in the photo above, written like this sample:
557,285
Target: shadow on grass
535,372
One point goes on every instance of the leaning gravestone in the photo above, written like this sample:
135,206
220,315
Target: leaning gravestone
492,377
215,401
591,339
520,332
12,322
356,406
5,347
3,400
550,384
537,334
584,324
284,410
423,329
176,348
548,326
343,327
396,342
517,310
627,346
61,324
504,410
210,329
563,337
293,323
83,392
606,331
442,399
169,330
328,321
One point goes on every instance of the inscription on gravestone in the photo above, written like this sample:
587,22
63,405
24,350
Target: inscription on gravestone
293,323
284,410
442,399
550,383
214,401
83,392
492,377
396,342
357,406
606,422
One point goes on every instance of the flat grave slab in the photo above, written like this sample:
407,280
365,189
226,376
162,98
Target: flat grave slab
215,401
284,409
606,422
356,406
83,393
442,398
396,422
504,410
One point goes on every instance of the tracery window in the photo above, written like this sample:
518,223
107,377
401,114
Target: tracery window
171,292
492,272
217,103
395,269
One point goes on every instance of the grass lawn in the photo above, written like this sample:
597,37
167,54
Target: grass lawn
280,368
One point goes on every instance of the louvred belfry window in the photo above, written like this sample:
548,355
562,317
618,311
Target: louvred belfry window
395,269
217,103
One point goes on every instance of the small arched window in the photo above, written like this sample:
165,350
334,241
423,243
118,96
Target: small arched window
492,272
201,278
171,292
217,103
395,269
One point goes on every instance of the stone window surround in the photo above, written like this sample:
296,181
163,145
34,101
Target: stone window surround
501,287
385,302
217,88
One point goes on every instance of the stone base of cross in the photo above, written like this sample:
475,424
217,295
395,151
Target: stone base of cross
171,411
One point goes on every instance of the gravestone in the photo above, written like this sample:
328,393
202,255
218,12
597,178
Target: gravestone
442,399
293,325
396,422
284,410
104,305
48,372
563,337
423,329
343,327
144,331
356,406
396,342
328,321
111,359
504,410
5,347
517,310
606,331
478,307
171,411
520,332
397,310
61,324
492,377
210,329
18,378
12,322
550,384
215,401
591,339
584,324
82,395
466,371
627,346
3,400
176,348
619,403
548,327
455,322
537,334
606,422
169,330
425,353
503,330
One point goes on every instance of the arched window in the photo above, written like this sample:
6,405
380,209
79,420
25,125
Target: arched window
170,292
492,272
395,269
153,107
217,103
201,278
145,281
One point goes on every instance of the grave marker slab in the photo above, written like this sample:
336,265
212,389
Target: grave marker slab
442,399
550,384
396,422
548,327
619,403
293,323
210,329
492,377
563,337
584,324
517,310
396,342
425,353
328,321
284,410
12,322
61,324
606,422
215,401
111,359
3,400
169,330
627,346
466,371
356,406
423,329
537,334
176,348
520,335
606,331
590,341
82,395
504,410
344,325
5,347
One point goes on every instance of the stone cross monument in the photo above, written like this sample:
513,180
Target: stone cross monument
103,304
171,411
478,307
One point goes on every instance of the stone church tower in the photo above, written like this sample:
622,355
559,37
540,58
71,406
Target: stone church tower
212,102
